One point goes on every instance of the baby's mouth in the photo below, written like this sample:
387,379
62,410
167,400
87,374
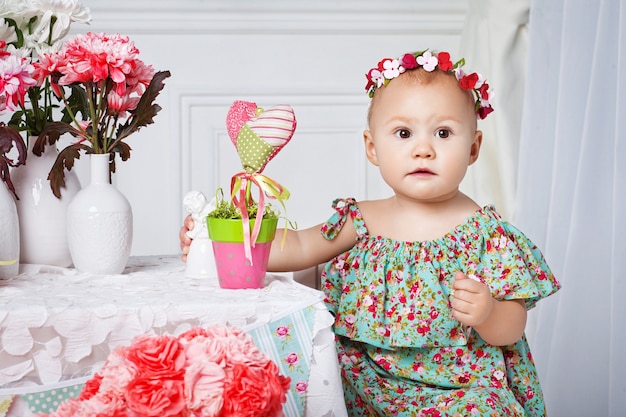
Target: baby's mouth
422,171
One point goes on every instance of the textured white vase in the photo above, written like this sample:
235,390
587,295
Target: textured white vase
43,217
100,223
9,234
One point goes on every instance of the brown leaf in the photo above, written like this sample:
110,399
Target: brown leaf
8,138
65,160
146,109
51,133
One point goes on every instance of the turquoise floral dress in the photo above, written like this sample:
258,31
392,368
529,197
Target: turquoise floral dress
400,350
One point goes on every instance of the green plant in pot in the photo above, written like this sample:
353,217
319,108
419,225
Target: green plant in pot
242,243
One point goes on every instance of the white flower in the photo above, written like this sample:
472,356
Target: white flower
428,61
7,33
391,69
12,9
44,30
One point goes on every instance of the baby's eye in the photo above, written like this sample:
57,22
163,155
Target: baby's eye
442,133
403,133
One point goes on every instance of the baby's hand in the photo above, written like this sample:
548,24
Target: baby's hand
185,241
472,302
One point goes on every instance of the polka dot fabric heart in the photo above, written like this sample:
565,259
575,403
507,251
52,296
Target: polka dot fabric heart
258,135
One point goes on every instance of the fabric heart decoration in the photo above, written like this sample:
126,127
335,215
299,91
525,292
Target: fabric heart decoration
258,134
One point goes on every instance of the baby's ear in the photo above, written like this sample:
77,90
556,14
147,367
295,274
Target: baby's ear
370,151
475,149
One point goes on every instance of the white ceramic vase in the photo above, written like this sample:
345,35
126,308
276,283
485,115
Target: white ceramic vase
9,234
100,223
43,217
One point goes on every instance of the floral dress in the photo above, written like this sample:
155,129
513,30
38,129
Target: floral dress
400,350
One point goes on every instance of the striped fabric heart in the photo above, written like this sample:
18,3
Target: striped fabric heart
258,135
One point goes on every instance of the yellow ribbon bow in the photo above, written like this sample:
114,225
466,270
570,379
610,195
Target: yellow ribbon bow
240,195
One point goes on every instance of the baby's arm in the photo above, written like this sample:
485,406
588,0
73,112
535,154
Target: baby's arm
499,323
302,249
307,248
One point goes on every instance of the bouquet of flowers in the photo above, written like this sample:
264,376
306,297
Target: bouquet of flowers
112,94
28,29
212,372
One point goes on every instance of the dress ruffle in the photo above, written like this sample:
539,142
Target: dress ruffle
404,288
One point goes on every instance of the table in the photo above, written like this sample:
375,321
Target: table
59,325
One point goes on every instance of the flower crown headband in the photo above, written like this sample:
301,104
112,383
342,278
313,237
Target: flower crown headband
390,68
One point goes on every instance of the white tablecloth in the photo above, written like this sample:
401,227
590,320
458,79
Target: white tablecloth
59,325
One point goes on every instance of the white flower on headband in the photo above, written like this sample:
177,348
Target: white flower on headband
428,61
390,68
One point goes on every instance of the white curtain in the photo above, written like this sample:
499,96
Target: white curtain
494,43
571,199
554,160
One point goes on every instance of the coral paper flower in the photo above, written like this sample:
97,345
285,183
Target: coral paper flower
212,372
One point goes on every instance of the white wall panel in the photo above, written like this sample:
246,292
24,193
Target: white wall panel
312,55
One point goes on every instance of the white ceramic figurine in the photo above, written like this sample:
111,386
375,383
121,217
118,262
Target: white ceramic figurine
200,260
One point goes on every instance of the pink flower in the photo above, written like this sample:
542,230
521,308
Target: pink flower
292,359
15,80
204,388
96,57
148,397
301,387
118,106
157,355
91,387
221,374
116,373
282,331
205,348
255,392
409,61
192,334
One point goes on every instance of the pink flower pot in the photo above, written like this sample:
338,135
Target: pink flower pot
234,271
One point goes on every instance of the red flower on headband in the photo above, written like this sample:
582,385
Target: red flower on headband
409,61
372,76
381,63
444,61
484,91
484,111
468,82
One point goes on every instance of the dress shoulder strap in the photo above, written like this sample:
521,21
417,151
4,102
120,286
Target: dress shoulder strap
344,207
